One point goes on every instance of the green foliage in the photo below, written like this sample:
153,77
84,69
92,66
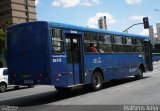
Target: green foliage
2,39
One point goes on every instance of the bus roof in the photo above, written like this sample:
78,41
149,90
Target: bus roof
85,29
81,28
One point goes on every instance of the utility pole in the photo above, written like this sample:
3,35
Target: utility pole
27,10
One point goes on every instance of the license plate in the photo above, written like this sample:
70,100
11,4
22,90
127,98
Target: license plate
28,82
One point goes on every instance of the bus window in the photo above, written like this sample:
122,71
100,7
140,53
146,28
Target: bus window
57,41
105,44
91,42
118,44
129,41
128,45
138,45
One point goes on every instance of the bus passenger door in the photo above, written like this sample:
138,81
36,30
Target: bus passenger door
148,55
74,59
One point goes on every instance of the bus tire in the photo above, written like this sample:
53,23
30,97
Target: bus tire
61,89
96,81
140,74
3,87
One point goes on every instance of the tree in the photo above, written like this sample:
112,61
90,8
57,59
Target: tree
2,40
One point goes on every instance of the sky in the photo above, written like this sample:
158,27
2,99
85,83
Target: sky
120,14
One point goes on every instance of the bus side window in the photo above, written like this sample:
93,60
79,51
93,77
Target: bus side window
105,44
118,44
128,45
57,41
91,42
138,45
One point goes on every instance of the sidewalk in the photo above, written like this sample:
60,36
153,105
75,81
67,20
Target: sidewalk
156,62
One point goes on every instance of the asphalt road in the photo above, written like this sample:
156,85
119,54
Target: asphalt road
121,92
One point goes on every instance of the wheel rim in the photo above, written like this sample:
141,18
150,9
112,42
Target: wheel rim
140,73
2,88
97,81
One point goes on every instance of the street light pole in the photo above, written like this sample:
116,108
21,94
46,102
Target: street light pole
131,27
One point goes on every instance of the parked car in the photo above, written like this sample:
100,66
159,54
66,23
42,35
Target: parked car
4,80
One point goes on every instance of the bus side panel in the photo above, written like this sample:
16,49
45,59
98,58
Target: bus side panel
129,63
91,61
88,75
59,71
114,66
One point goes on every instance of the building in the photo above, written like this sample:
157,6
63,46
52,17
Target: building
102,23
158,31
16,11
151,33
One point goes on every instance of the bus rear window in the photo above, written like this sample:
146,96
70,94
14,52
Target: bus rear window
57,41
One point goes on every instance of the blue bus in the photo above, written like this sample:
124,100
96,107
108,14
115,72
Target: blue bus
60,54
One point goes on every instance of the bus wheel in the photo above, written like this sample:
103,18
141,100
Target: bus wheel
96,81
61,89
3,87
139,75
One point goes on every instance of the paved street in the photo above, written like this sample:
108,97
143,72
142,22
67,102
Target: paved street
118,92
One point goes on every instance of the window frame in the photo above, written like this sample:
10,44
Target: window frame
91,41
105,43
62,40
138,45
114,44
5,72
126,44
